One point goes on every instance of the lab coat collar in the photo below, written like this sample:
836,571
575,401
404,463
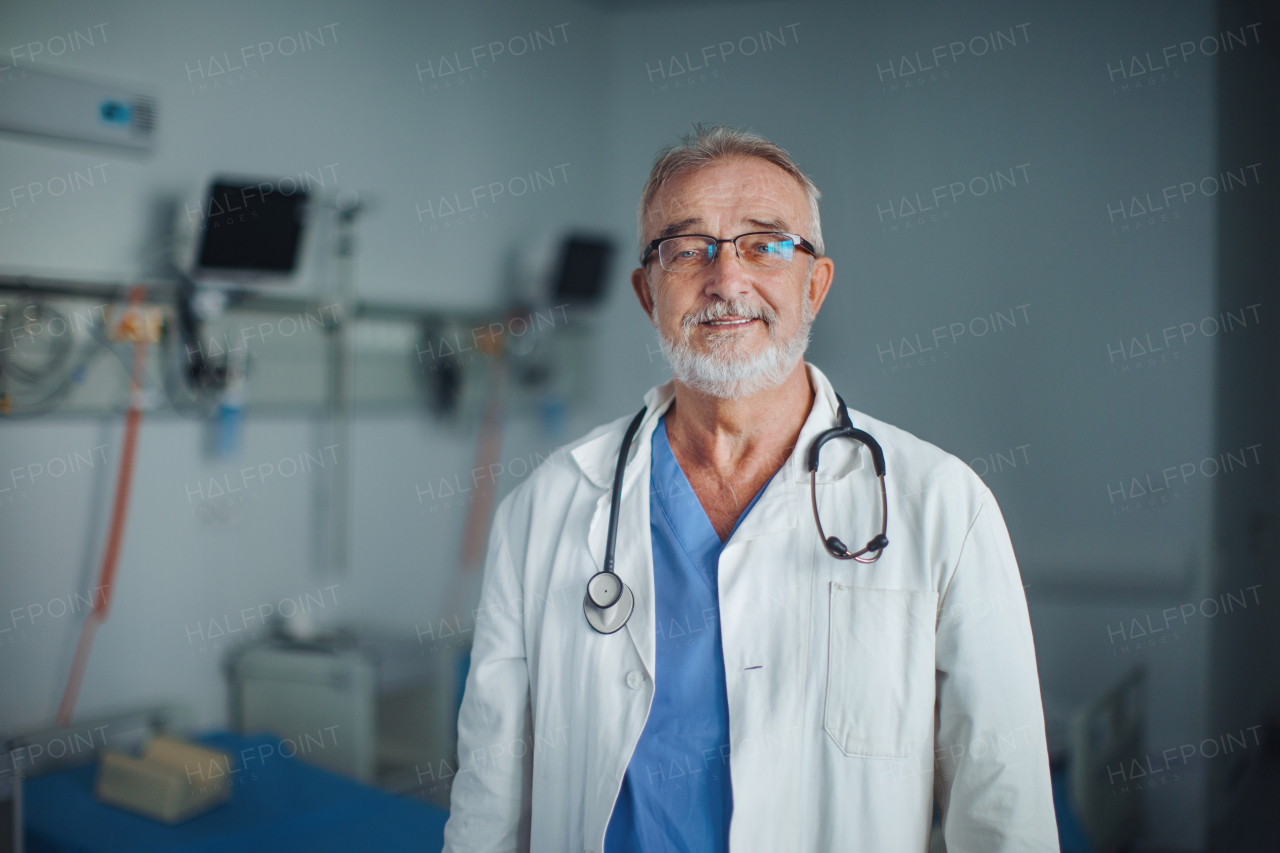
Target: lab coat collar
597,457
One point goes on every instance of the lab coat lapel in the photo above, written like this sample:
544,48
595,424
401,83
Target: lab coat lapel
775,512
634,558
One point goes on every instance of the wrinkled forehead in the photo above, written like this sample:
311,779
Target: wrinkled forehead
743,192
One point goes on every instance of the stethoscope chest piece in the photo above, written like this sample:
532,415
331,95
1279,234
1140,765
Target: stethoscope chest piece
607,620
609,602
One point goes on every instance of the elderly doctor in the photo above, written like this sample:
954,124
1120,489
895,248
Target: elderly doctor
731,680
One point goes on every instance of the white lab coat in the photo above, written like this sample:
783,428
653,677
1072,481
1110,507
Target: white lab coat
857,693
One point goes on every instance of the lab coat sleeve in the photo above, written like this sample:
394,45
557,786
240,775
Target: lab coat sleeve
490,799
991,766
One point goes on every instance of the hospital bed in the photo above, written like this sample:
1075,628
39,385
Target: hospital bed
277,803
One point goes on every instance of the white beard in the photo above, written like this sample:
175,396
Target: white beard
726,372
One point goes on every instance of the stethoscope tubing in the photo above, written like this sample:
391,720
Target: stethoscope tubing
615,502
834,546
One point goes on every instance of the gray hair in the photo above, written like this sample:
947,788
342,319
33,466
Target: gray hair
709,146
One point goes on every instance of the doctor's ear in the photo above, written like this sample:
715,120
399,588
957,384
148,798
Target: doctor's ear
821,273
640,284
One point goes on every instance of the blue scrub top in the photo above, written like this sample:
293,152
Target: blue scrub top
676,795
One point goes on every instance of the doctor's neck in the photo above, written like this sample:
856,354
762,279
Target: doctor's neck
723,433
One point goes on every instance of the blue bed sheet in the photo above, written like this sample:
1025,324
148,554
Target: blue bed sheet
279,804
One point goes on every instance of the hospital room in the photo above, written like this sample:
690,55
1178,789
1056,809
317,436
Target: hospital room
639,425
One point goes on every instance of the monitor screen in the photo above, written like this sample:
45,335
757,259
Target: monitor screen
251,228
583,265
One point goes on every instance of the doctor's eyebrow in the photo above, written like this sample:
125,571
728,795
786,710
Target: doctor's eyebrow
679,227
769,224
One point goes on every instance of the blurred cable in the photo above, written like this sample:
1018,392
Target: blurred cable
488,449
115,536
36,376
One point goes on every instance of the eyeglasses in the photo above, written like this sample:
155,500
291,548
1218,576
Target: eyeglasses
688,253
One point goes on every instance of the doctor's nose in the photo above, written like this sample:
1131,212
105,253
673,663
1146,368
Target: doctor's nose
728,275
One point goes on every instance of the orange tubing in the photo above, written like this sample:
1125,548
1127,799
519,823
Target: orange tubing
115,536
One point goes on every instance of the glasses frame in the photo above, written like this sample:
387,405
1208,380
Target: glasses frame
650,249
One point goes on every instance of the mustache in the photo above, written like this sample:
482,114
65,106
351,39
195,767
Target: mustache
731,308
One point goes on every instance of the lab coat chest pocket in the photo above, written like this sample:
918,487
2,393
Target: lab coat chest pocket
880,670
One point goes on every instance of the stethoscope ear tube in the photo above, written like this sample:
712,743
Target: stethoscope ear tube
838,549
846,429
877,455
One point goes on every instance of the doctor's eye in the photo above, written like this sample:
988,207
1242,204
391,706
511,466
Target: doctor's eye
767,249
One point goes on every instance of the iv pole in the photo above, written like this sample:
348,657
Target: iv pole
337,495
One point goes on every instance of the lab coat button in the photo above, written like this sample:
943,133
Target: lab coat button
635,679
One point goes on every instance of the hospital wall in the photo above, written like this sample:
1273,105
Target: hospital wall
356,104
1049,402
992,278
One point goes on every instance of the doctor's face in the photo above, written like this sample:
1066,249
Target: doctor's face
732,328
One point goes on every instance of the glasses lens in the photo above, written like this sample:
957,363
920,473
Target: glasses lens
766,250
685,254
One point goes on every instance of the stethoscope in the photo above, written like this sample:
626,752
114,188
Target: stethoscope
609,602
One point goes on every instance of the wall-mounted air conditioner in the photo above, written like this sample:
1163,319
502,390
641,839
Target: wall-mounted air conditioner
50,105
